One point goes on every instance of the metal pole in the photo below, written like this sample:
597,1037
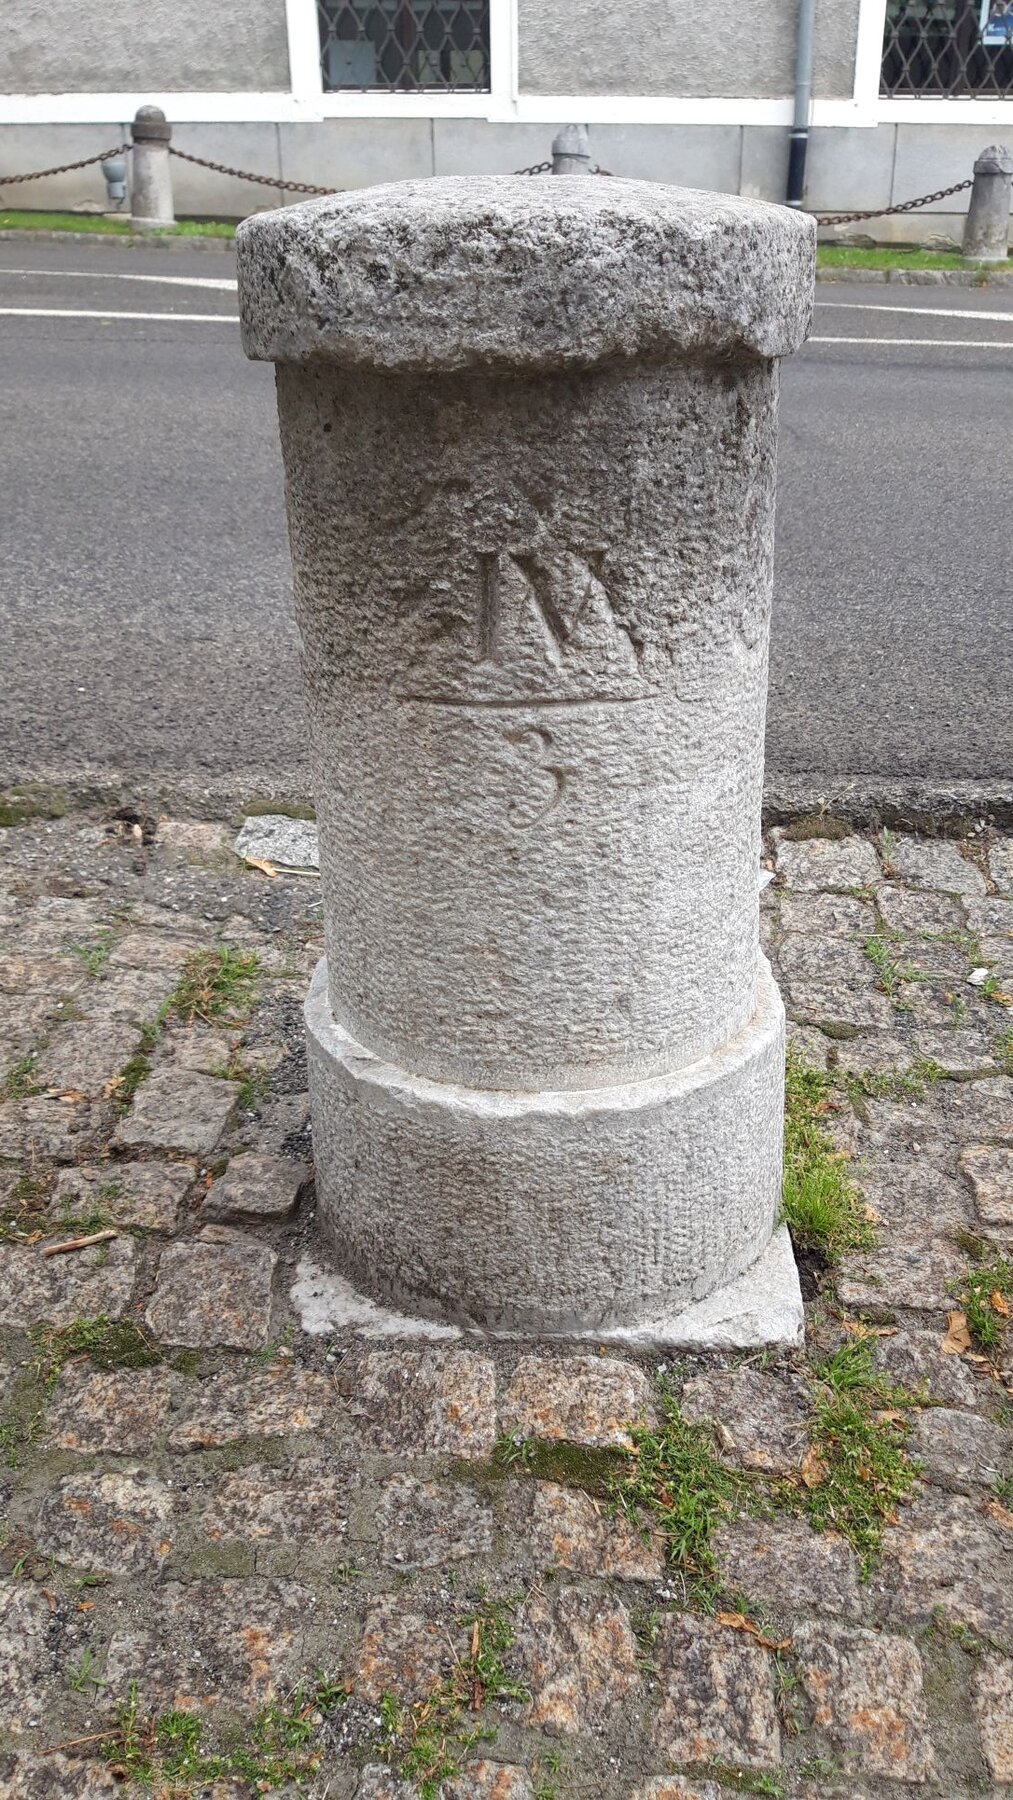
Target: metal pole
571,153
798,143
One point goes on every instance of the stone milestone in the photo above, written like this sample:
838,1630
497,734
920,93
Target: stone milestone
528,430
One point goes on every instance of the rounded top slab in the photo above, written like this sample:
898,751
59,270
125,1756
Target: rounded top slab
523,273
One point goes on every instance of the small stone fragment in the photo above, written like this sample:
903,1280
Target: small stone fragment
117,1523
992,1691
25,1656
1000,865
934,863
717,1689
783,1564
918,1272
175,1110
211,1294
308,1502
424,1524
948,1555
425,1402
486,1780
47,1126
989,1173
589,1400
255,1187
38,1777
578,1659
816,863
279,1401
922,915
960,1450
119,1410
87,1056
760,1420
55,1290
914,1359
290,844
207,1643
866,1694
130,1193
405,1653
561,1527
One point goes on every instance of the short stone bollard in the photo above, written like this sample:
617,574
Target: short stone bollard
151,176
528,432
986,228
571,151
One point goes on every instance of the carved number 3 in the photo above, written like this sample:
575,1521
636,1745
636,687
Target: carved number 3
546,782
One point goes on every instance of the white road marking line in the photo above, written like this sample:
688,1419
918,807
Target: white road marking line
923,343
197,281
66,312
924,312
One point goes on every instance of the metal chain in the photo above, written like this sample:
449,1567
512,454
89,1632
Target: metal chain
273,181
881,212
64,168
545,168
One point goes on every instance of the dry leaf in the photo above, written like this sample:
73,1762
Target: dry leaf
855,1328
73,1096
812,1468
958,1338
1000,1513
999,1303
890,1416
739,1622
261,863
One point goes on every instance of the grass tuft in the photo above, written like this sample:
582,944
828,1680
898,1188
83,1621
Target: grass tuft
987,1296
19,1082
96,224
676,1476
214,985
822,1205
852,256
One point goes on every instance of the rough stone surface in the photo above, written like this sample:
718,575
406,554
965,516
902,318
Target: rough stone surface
952,1556
284,842
307,1504
1000,865
254,1187
279,1401
759,1420
87,1056
47,1126
589,1400
928,915
960,1450
24,1656
404,1653
208,1641
992,1689
918,1272
178,1111
842,863
479,1082
423,1524
425,1402
118,1523
578,1658
56,1290
934,863
914,1359
564,1528
989,1171
94,1410
210,1294
717,1695
58,1778
132,1193
866,1694
788,1567
465,272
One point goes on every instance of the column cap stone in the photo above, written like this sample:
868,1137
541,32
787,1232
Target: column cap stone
523,274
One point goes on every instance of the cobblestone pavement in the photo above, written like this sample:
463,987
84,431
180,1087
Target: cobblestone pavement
248,1549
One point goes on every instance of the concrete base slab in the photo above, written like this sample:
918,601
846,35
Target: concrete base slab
758,1310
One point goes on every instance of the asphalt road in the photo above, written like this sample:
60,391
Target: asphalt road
147,627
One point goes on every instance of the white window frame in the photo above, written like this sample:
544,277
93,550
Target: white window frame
305,99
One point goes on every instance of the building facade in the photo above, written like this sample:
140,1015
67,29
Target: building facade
345,92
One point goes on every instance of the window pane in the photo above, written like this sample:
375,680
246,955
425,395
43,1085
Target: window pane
404,46
959,49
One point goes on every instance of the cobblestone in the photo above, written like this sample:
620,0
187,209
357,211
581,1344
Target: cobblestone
256,1505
